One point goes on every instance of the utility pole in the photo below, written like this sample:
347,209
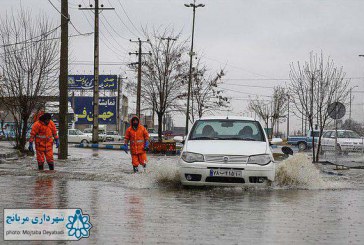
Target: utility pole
351,90
139,85
96,10
194,6
63,83
288,115
118,124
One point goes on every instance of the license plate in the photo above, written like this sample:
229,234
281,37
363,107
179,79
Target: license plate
226,173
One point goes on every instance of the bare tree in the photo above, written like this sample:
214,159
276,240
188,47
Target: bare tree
206,96
262,109
279,105
163,74
315,85
29,63
273,109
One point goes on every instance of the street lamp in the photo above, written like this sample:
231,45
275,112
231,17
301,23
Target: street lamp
193,6
350,103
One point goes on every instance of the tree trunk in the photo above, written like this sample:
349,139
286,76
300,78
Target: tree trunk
160,121
23,138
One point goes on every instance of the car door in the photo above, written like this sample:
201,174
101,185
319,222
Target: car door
72,136
326,141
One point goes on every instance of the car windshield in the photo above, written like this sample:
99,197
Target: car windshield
219,129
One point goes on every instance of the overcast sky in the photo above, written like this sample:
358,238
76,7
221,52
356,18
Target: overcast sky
255,39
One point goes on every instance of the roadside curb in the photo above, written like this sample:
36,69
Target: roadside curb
100,146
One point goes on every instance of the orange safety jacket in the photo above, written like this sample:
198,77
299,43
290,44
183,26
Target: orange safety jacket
43,135
137,139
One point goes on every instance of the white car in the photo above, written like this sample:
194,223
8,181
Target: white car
153,134
226,151
76,136
113,136
102,134
347,141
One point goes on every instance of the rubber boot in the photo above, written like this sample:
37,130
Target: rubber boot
135,169
144,166
51,166
40,166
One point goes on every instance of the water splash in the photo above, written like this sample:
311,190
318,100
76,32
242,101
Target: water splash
160,172
299,172
296,172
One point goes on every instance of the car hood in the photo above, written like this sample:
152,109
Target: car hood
227,147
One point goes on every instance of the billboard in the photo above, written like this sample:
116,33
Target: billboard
83,108
86,82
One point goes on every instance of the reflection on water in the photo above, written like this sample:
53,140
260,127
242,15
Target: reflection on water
151,207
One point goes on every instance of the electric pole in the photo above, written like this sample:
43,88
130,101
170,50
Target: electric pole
139,85
96,10
351,98
194,6
63,83
118,125
288,97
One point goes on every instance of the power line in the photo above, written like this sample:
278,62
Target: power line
122,7
246,85
66,17
122,50
107,46
241,92
122,22
49,39
236,67
275,79
115,30
31,39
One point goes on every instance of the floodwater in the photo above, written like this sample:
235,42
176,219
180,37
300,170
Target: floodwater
305,205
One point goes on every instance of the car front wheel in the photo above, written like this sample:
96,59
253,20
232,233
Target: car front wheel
302,146
84,142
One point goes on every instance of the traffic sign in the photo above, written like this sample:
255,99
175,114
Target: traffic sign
336,110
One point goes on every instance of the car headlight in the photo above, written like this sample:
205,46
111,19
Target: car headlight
192,157
260,159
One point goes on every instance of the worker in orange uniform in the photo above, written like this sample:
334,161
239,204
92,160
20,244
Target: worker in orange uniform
43,132
138,137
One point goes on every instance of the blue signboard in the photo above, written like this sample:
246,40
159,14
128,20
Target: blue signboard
86,82
83,108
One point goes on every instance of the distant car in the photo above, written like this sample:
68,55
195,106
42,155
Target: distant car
153,134
102,134
113,136
347,141
304,142
76,136
225,151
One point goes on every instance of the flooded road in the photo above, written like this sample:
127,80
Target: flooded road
305,205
